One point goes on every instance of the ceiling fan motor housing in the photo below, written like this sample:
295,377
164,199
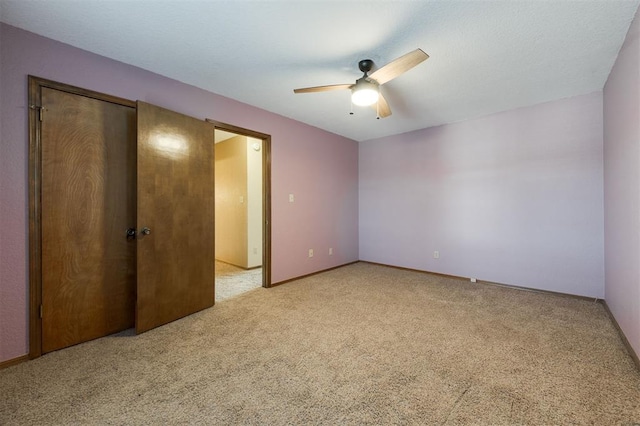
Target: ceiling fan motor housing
365,82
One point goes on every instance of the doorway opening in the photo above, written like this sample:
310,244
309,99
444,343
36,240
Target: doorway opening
242,210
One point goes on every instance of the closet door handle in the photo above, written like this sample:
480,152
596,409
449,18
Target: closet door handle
145,231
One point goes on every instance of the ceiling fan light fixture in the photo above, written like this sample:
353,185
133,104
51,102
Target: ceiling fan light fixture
364,93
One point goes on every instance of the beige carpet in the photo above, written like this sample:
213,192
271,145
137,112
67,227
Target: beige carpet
362,344
232,281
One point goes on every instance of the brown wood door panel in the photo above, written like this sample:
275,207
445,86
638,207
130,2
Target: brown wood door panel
175,262
88,201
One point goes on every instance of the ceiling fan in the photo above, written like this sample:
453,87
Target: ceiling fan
366,90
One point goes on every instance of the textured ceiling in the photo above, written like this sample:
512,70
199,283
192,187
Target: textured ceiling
486,56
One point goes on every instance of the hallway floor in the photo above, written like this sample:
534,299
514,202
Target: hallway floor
232,280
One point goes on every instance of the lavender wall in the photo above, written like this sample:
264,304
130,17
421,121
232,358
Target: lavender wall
622,187
513,198
320,168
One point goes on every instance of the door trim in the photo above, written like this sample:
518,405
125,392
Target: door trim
36,84
266,192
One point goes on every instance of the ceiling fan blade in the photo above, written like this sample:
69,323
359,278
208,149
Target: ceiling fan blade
382,107
323,88
399,66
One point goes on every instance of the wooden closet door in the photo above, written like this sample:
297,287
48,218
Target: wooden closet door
175,260
88,202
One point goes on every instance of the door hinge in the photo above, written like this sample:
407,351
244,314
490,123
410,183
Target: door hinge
40,110
40,311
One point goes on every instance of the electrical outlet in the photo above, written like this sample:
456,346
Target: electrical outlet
436,254
330,251
473,280
310,252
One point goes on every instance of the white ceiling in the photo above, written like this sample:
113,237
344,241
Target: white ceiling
221,135
486,56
